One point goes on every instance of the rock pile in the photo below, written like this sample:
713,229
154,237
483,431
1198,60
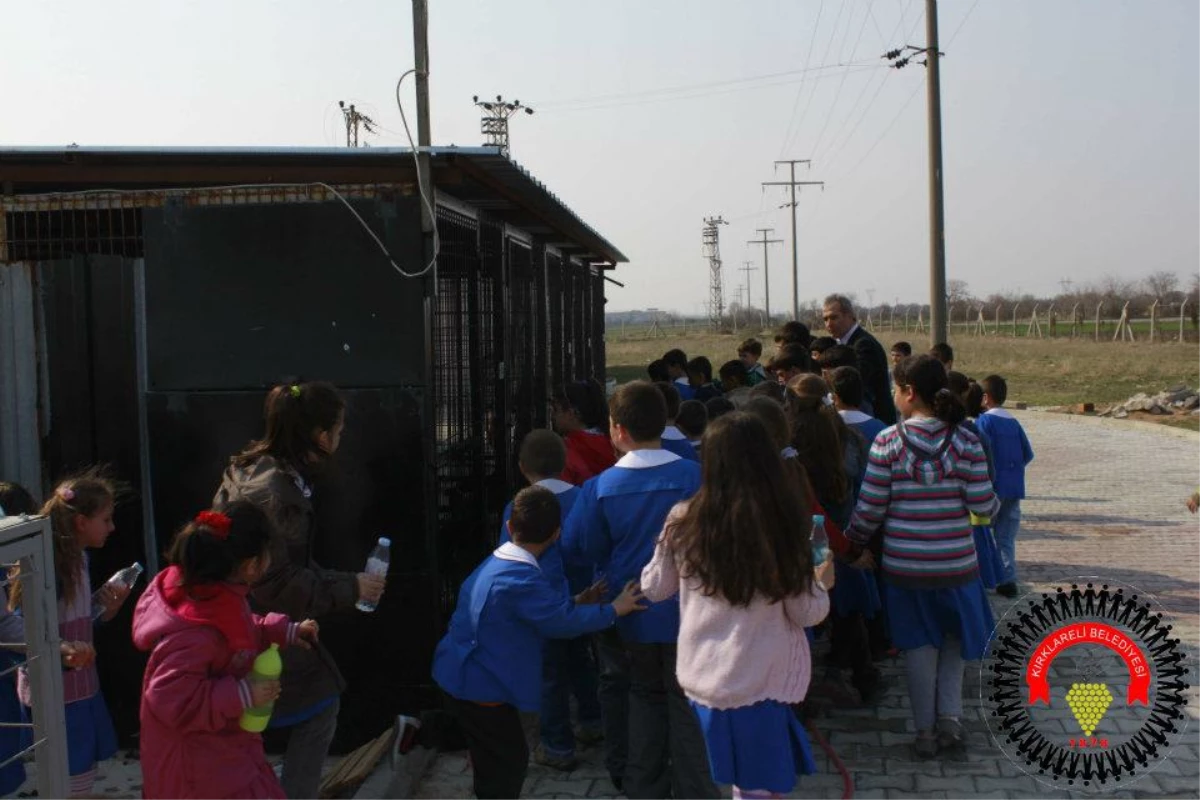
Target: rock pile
1176,400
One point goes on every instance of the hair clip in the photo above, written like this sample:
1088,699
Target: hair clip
295,390
827,400
216,522
66,493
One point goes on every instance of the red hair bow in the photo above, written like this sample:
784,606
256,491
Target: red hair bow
216,522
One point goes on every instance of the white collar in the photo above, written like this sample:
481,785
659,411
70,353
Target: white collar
672,434
694,443
555,485
853,416
594,431
789,452
511,551
849,333
683,381
1002,413
644,459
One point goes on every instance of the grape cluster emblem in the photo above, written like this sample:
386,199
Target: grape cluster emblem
1019,681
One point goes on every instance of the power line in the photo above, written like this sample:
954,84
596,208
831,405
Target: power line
808,103
838,95
796,103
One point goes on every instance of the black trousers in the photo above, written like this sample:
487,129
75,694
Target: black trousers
496,741
614,702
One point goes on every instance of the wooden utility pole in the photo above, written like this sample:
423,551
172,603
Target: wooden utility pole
764,241
937,216
793,183
746,268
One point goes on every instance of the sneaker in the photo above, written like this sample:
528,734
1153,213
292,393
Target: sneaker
1007,590
563,763
950,735
925,746
407,729
588,735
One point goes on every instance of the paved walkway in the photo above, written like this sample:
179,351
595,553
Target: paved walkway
1106,498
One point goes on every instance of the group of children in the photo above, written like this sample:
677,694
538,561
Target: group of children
691,562
676,551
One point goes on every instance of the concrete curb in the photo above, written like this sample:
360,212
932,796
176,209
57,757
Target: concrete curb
1166,430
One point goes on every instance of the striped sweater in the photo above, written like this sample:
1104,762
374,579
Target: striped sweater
919,496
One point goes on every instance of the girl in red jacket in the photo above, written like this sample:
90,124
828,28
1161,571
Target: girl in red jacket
203,639
581,418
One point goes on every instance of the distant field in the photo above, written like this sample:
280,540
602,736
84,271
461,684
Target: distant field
1039,371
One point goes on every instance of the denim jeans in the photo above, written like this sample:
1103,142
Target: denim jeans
1005,524
567,668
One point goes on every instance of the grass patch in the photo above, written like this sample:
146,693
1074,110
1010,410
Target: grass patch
1040,372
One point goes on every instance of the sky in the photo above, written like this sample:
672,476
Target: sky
1071,129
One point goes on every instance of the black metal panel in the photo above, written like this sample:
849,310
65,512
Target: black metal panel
240,296
556,347
523,344
596,346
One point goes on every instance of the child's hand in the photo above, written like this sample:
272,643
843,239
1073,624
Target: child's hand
826,573
77,655
629,600
306,634
112,597
864,561
263,692
593,594
1193,502
370,587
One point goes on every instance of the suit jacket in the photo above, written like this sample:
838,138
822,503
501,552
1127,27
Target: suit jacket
873,364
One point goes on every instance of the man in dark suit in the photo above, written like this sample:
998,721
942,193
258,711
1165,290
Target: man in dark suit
838,315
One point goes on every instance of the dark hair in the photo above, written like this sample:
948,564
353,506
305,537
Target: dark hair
792,356
675,358
746,532
87,494
942,352
536,515
657,370
294,413
639,407
543,453
903,348
718,407
847,384
772,390
15,499
794,333
817,437
701,366
771,414
996,387
957,382
586,399
973,399
692,418
751,346
733,372
927,378
670,396
203,556
821,344
839,355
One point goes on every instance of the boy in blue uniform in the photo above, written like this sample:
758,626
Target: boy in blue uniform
567,665
614,525
672,438
676,362
489,663
847,386
1011,453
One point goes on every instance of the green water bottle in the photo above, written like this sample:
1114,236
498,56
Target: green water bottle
267,667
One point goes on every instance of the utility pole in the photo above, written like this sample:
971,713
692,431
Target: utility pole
494,125
712,251
353,119
424,136
764,241
746,268
937,216
793,183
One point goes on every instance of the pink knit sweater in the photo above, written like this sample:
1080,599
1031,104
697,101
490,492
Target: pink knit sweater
735,656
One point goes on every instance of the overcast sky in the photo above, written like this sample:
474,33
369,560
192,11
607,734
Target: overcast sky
1071,128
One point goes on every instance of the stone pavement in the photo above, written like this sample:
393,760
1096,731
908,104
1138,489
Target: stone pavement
1105,498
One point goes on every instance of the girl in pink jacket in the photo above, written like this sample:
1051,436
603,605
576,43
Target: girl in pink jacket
739,555
202,637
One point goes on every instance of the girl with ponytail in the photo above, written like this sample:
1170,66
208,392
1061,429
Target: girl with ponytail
925,476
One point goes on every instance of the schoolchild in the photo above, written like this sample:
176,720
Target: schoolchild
750,354
700,377
1011,453
580,416
734,382
691,421
674,439
676,362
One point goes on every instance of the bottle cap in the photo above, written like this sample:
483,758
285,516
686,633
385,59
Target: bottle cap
385,541
818,519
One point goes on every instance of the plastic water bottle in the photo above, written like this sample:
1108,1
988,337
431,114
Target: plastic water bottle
124,578
820,540
377,564
267,667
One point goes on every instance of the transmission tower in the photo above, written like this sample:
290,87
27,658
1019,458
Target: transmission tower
712,252
494,125
354,120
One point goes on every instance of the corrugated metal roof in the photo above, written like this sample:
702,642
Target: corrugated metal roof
480,176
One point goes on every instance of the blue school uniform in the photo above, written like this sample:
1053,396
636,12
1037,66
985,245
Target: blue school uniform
865,424
745,748
675,441
577,578
492,652
616,522
1011,452
686,392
